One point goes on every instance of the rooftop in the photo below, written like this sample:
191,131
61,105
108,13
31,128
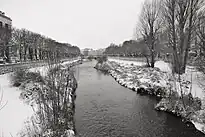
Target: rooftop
2,14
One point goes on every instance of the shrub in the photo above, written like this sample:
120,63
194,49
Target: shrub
55,99
18,77
21,76
90,57
102,59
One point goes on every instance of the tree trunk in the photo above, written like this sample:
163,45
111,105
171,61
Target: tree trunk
7,54
36,54
189,36
152,61
148,64
31,53
20,53
40,54
25,53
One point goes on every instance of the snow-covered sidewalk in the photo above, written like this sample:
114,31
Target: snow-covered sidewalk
13,115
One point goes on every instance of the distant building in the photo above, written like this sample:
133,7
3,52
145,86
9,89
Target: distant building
97,52
91,52
85,51
5,34
5,22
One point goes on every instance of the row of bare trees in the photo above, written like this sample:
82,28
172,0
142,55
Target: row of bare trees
178,20
27,45
129,48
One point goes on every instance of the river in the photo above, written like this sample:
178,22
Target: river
106,109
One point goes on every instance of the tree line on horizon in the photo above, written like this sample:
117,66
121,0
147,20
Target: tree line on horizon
28,45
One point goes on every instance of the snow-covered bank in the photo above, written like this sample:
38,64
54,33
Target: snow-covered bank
126,62
133,75
14,115
105,66
199,126
163,66
191,76
140,79
64,79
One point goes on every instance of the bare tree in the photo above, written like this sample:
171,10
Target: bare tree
149,26
17,41
20,39
200,41
26,43
35,46
180,17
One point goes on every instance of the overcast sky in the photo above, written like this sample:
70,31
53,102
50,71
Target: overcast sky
85,23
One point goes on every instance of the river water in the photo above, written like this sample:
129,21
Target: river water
106,109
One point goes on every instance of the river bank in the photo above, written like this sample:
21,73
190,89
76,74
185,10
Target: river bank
153,81
105,108
58,118
22,101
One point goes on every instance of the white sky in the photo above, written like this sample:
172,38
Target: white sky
85,23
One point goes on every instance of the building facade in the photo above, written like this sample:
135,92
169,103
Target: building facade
91,52
5,35
98,52
5,22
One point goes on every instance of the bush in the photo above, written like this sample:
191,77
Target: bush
21,76
90,57
18,77
102,59
55,100
60,85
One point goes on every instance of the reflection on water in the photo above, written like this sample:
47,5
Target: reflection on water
106,109
101,74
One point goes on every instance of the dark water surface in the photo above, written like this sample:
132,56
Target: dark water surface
106,109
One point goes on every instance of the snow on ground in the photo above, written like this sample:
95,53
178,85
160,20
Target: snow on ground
13,115
126,62
44,69
198,80
199,126
192,75
192,80
135,77
163,66
71,61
